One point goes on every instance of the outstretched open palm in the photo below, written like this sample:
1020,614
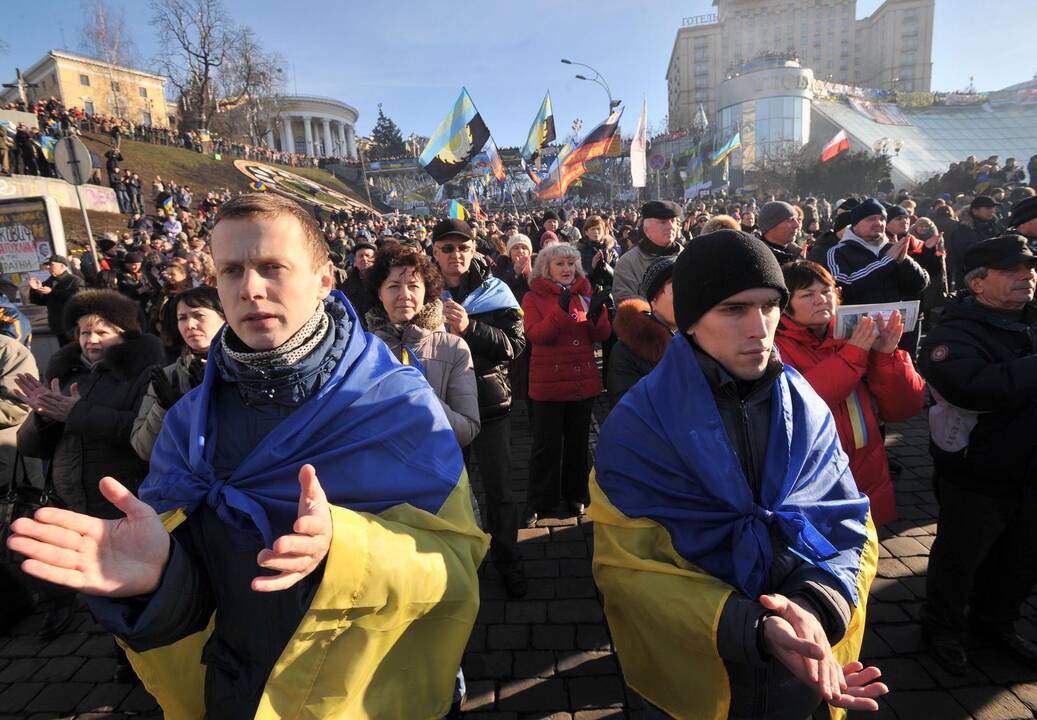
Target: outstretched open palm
113,558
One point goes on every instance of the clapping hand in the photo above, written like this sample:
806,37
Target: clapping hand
890,332
296,555
113,558
864,334
898,251
51,401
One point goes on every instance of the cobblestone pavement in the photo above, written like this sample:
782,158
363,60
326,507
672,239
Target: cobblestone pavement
549,655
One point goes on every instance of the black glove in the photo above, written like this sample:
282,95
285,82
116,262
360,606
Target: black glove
597,304
563,300
196,371
166,392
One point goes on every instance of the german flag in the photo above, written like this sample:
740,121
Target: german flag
596,144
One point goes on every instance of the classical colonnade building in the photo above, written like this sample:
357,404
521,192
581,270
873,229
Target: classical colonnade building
312,125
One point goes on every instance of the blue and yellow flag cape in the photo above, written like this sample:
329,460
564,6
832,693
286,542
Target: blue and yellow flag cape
677,530
385,631
493,294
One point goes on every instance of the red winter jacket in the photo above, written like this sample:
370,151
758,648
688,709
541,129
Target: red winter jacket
859,387
562,367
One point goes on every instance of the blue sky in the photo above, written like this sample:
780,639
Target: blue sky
413,57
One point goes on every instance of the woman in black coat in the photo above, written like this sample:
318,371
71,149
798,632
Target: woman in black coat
82,414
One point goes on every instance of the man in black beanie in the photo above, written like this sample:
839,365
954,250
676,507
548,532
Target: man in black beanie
693,488
1023,220
867,267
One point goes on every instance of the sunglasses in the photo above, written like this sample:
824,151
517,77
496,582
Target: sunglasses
449,248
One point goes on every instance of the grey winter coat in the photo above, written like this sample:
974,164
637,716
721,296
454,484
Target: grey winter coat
446,360
95,439
630,269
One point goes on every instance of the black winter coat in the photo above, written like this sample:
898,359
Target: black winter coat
985,360
969,231
865,278
495,339
95,439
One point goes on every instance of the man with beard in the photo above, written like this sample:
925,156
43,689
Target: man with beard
656,238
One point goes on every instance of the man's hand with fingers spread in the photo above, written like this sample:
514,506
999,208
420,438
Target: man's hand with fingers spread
298,554
798,641
112,558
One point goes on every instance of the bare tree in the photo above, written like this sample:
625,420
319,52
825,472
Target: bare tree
103,36
196,38
249,83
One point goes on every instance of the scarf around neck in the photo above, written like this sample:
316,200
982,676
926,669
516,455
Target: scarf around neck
291,351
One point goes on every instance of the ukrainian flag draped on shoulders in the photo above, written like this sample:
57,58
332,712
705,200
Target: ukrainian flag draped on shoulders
399,592
677,529
492,294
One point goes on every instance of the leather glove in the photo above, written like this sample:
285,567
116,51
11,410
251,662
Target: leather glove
563,300
599,301
166,392
196,371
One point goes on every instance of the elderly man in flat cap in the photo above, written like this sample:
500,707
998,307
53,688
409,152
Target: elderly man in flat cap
656,238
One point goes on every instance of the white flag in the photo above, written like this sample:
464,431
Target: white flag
638,147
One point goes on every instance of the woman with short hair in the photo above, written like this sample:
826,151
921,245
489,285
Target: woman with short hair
562,324
864,379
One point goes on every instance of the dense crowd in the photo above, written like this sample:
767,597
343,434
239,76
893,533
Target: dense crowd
714,320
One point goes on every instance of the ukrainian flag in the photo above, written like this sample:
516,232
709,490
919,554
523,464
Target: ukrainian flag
729,147
541,132
460,136
457,210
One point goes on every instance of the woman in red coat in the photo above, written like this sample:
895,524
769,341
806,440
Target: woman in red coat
863,379
562,324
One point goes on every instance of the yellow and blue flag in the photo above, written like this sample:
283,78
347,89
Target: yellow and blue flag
456,210
729,147
455,142
541,132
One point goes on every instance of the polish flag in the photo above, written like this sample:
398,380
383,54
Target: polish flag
835,146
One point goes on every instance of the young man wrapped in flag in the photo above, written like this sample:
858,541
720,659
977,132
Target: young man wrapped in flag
731,545
321,553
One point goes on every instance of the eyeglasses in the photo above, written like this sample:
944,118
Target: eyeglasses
450,248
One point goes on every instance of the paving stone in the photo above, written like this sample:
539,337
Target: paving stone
488,665
67,644
893,568
105,698
579,587
532,535
96,670
534,663
526,612
20,669
17,696
889,590
477,640
587,662
873,646
1027,693
541,568
902,638
922,704
138,701
905,547
919,564
905,674
593,637
59,697
1001,668
992,703
575,611
599,714
59,669
533,695
553,637
574,568
507,637
479,695
490,612
567,550
491,716
884,613
596,692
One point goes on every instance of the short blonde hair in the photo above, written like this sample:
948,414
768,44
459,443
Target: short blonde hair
720,222
542,266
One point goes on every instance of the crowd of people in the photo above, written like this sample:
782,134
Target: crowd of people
706,321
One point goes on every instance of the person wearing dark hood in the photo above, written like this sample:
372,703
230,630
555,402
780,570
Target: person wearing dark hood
779,223
643,330
977,223
55,292
980,361
482,309
655,238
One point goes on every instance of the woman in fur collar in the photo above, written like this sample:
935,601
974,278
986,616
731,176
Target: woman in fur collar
407,315
643,329
83,412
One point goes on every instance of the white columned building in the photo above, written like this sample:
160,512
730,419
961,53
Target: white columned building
294,110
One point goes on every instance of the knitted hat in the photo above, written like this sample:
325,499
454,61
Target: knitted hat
656,276
550,215
867,208
895,211
113,306
773,214
519,239
718,265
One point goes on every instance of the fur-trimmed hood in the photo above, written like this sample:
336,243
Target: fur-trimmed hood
126,361
638,329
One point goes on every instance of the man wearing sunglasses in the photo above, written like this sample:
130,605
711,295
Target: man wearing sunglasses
482,309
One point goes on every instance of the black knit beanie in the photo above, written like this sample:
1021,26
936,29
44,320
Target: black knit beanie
867,208
718,265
